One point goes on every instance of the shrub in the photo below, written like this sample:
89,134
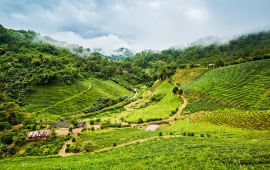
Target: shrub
154,119
202,135
175,90
114,144
140,120
184,133
76,150
160,134
4,125
11,150
73,139
191,134
67,149
171,133
70,129
92,122
208,135
6,138
173,112
92,128
88,146
19,139
157,97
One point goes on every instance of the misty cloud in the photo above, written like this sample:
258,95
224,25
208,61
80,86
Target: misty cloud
136,24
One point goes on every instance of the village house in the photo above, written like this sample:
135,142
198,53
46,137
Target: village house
37,135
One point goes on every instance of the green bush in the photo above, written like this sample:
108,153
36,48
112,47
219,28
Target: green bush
88,146
140,120
11,150
6,137
160,134
73,139
4,125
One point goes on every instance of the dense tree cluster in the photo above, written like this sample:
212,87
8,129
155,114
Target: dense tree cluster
26,62
249,47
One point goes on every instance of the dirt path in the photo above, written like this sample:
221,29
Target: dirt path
170,119
129,106
180,109
61,153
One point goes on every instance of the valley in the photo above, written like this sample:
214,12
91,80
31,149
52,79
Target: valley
150,111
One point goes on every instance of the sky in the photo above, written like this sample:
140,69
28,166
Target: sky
136,24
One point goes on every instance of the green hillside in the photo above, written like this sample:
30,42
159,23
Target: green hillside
161,109
202,107
244,85
55,99
180,152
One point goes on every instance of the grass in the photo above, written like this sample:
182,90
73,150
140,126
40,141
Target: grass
186,152
183,76
109,137
244,85
158,110
202,105
251,119
72,98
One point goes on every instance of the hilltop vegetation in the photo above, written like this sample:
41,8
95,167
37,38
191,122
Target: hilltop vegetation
27,62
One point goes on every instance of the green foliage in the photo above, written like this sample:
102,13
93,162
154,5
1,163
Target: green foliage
88,96
238,118
242,86
108,138
244,48
49,147
27,63
88,146
4,125
158,110
195,153
6,137
9,112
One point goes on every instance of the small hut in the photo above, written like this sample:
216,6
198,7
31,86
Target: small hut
37,135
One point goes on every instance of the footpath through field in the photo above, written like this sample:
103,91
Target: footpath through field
63,153
170,119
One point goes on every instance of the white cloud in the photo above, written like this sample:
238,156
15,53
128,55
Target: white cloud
107,43
197,14
137,24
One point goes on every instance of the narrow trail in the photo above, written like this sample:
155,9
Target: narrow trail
165,121
67,99
180,109
64,154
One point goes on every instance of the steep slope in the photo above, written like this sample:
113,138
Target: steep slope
245,85
55,99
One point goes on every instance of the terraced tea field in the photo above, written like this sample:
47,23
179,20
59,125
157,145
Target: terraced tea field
158,110
244,85
183,152
238,118
65,99
111,137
